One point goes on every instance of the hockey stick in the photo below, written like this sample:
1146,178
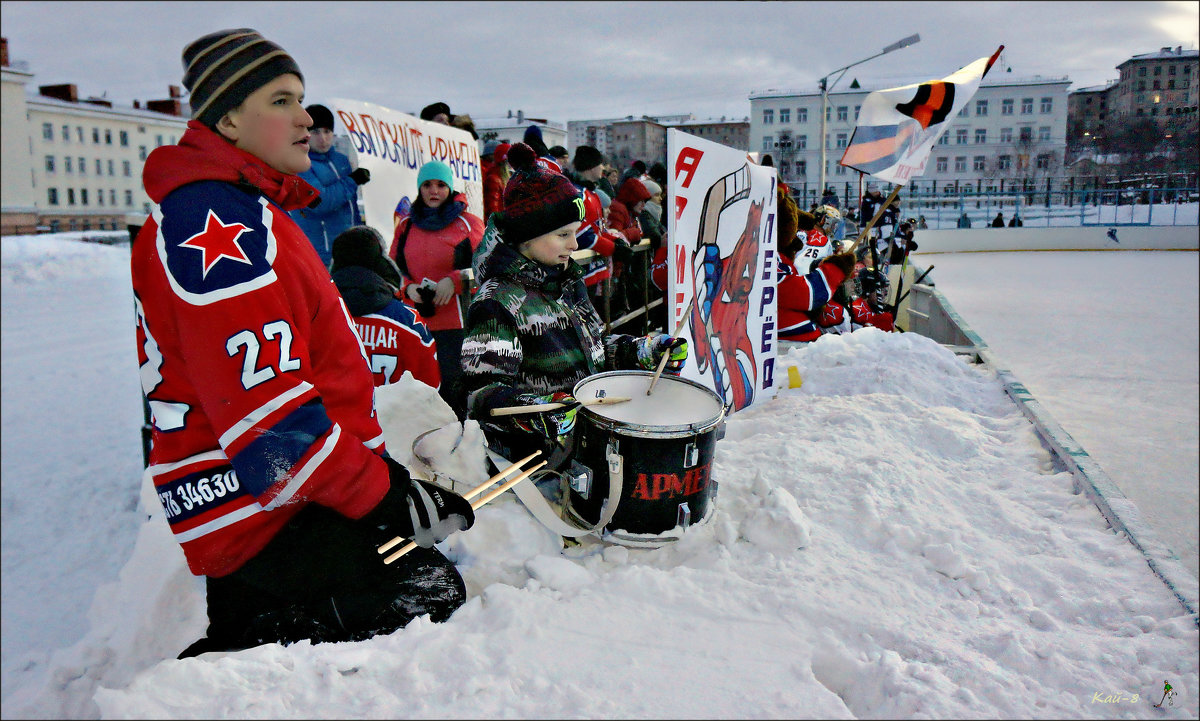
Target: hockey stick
472,493
475,506
920,278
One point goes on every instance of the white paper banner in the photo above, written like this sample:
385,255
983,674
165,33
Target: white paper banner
722,250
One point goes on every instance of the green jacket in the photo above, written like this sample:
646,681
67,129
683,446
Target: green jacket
531,328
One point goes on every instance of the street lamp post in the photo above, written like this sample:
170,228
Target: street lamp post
826,86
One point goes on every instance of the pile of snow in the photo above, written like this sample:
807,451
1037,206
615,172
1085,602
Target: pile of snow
888,540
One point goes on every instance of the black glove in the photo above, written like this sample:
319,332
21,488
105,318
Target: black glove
414,509
361,176
426,307
622,251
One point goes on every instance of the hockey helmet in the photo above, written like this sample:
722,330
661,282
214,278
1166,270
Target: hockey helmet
872,285
828,218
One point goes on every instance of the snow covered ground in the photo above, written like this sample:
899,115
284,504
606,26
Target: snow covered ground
889,540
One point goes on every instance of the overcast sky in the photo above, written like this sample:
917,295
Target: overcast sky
580,60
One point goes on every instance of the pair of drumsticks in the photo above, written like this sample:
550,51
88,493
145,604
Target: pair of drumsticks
472,494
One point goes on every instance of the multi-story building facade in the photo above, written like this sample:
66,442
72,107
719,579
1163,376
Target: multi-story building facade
642,139
1157,85
734,133
598,133
511,129
80,162
1011,128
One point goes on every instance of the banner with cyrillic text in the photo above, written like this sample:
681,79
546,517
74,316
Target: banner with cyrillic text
721,251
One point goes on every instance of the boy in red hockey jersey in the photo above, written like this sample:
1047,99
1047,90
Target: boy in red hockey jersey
267,455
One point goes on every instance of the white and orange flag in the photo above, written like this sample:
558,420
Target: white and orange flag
898,127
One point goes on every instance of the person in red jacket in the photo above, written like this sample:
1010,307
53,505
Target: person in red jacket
494,181
432,246
369,281
266,454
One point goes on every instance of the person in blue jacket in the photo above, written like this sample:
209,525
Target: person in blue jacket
338,184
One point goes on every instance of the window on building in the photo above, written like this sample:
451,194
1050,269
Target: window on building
801,142
843,113
784,167
52,196
979,162
70,196
100,197
128,198
856,109
980,136
49,163
962,113
107,136
801,115
960,136
1006,106
1004,162
944,140
1171,84
126,169
83,195
67,165
1171,70
981,108
95,136
66,133
47,131
839,169
146,208
1141,85
1158,70
801,167
1043,161
1026,134
1157,85
841,140
124,138
158,138
828,113
768,118
141,152
768,142
1047,105
110,167
1142,72
99,166
1044,133
785,115
1140,111
1026,106
942,164
960,164
112,197
1006,135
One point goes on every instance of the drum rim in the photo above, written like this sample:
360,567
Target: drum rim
643,430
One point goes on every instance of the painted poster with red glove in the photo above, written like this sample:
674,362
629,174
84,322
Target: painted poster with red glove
721,252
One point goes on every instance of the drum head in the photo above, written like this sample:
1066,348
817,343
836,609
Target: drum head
676,403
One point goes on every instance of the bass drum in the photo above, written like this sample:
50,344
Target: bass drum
660,446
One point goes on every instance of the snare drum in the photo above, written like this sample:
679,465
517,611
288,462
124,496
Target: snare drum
661,447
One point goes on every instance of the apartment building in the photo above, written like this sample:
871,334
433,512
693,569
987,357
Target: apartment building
78,162
1011,128
511,129
598,132
731,132
1158,85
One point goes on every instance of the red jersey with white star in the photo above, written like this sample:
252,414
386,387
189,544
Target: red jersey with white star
260,391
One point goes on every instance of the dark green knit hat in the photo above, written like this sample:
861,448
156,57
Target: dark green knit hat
222,69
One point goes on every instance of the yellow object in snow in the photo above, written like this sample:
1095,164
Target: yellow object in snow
794,380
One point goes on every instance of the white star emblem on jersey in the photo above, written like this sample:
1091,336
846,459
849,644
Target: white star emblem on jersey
217,241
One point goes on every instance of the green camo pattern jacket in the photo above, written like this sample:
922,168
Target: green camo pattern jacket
532,329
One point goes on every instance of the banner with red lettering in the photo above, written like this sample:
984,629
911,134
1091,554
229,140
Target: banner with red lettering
393,146
721,246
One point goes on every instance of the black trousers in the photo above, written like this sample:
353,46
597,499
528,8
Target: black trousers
449,354
322,579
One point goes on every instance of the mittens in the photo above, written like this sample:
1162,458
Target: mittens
361,176
622,251
415,509
650,351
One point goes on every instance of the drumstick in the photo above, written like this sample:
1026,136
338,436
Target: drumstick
662,363
474,506
472,493
541,407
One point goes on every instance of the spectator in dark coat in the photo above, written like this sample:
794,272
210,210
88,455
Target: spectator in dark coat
998,221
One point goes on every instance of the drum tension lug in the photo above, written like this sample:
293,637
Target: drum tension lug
612,454
683,518
691,455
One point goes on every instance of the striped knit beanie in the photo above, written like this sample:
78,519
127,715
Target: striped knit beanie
222,69
536,200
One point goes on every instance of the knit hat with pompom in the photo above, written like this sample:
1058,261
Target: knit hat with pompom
536,200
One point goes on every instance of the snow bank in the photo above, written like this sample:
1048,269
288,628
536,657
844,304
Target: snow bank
889,540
